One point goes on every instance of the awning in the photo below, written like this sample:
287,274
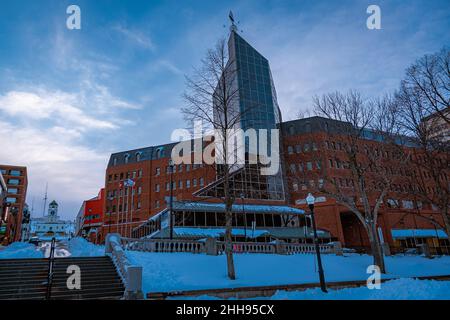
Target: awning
418,233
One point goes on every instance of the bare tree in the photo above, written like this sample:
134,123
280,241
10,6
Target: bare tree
212,97
366,137
427,82
424,95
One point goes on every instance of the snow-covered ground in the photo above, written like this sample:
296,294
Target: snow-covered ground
399,289
20,250
76,247
184,271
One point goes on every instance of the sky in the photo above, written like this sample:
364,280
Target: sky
70,98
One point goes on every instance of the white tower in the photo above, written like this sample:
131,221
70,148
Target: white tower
53,211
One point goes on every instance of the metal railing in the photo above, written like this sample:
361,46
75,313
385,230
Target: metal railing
51,260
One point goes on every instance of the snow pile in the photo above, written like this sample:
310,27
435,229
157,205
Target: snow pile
185,271
80,247
20,250
401,289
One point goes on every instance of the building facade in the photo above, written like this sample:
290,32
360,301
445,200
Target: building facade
51,226
90,218
138,183
16,181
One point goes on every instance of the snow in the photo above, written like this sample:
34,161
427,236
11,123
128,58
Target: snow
185,271
80,247
76,247
399,289
20,250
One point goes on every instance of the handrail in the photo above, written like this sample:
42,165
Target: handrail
51,261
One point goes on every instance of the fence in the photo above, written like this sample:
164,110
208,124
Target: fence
214,247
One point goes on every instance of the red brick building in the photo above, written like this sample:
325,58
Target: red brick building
16,181
137,182
90,217
316,145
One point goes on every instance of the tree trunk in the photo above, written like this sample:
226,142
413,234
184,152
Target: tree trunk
375,245
446,217
228,227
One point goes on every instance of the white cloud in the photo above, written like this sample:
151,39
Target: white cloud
43,104
136,36
54,156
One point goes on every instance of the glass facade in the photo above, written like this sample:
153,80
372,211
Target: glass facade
257,96
257,108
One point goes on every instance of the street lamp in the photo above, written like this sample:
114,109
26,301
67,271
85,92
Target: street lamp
245,218
171,200
310,201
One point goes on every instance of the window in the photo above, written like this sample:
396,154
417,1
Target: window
157,204
180,168
180,184
127,158
114,161
139,190
407,204
139,205
188,167
140,173
15,173
188,183
194,182
298,148
167,186
290,150
306,147
11,200
157,188
309,166
158,171
293,168
295,186
138,156
202,182
110,178
14,182
13,190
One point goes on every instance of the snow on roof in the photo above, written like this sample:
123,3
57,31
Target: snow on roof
220,207
217,232
421,233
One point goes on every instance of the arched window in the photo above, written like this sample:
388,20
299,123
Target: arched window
127,157
138,156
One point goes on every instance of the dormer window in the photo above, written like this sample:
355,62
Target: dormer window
138,156
127,158
114,161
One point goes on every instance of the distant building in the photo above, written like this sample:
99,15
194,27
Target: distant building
90,218
439,127
26,224
16,181
3,192
51,225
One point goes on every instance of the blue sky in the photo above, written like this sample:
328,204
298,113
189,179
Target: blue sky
69,98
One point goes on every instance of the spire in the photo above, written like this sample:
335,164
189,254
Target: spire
233,25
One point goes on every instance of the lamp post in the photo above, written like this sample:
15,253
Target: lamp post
171,200
245,218
310,201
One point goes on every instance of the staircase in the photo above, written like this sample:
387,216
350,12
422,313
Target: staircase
27,278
